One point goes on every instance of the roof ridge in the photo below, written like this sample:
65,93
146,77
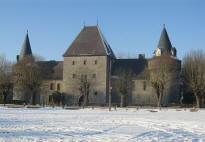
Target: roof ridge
101,37
105,46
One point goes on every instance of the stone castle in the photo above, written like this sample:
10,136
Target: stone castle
90,57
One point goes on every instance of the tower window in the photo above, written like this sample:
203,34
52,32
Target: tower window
94,75
58,87
51,86
83,78
144,85
73,62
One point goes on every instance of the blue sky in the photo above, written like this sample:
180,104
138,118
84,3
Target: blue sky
130,26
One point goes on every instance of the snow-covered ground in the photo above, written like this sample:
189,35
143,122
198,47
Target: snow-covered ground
56,124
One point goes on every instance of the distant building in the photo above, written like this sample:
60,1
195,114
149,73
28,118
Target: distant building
90,58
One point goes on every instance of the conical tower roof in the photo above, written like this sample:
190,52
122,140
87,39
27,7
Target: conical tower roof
164,42
26,48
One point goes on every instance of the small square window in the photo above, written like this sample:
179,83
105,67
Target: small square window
83,77
94,75
73,62
74,75
144,85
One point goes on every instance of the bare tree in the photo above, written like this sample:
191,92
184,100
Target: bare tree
159,77
123,84
30,74
84,80
193,73
5,77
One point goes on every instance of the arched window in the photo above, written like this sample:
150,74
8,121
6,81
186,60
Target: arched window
51,86
58,87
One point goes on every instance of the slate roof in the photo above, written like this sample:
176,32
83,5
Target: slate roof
164,42
89,42
137,66
26,48
55,68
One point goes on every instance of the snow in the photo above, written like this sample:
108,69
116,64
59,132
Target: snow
57,124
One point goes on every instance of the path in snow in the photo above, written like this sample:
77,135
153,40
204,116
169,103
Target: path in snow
48,124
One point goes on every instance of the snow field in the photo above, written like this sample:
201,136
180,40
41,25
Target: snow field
57,124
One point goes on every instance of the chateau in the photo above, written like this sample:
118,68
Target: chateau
90,57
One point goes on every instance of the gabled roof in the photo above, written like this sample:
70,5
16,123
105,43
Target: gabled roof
26,48
164,42
89,42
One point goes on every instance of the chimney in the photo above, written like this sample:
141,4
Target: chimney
141,56
17,58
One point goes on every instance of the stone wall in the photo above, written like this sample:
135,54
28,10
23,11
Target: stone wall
143,93
95,68
48,87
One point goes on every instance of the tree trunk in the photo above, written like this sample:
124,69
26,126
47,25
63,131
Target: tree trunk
202,101
85,100
32,98
122,100
4,94
160,99
53,104
197,100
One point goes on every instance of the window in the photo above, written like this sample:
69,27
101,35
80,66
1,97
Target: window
51,86
74,75
94,75
84,62
83,78
95,93
58,87
144,85
96,62
73,62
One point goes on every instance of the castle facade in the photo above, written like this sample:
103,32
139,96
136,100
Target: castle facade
90,58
